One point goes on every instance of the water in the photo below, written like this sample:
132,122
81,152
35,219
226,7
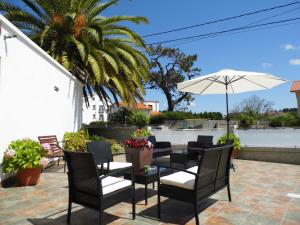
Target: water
285,137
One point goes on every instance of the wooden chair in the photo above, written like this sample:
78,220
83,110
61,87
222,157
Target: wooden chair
198,182
56,150
89,189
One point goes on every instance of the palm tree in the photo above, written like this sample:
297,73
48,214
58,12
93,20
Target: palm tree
103,54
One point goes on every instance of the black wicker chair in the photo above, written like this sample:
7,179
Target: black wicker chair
160,148
104,158
88,189
198,182
195,148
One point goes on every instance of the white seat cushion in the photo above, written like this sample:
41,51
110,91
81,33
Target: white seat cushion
111,184
115,165
179,179
193,169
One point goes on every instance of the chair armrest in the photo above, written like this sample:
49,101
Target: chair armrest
163,144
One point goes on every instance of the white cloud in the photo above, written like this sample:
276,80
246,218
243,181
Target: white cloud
266,65
192,105
290,47
295,62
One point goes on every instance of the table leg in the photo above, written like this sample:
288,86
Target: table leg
146,194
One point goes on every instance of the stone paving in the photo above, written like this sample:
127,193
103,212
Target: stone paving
259,197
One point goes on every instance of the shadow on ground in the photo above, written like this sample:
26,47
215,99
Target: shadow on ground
176,212
82,216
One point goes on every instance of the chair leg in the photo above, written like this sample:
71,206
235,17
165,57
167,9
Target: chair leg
196,213
69,212
65,163
133,206
58,161
229,193
158,206
100,217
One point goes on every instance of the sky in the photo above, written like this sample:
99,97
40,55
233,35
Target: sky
274,50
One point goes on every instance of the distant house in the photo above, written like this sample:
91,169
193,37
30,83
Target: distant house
97,110
149,107
296,89
38,96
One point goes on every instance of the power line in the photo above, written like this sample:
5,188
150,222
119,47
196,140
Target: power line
223,19
225,31
254,22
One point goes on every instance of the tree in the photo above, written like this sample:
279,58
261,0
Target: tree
168,67
103,54
253,105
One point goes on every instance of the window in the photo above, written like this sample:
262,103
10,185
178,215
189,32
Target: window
101,108
94,107
101,118
94,116
93,98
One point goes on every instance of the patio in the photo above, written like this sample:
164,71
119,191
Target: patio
259,196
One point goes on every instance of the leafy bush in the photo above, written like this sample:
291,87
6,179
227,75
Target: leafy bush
115,146
141,133
176,115
236,140
75,141
22,154
98,123
158,119
246,120
288,119
140,119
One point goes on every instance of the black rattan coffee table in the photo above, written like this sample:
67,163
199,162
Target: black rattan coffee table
142,177
181,157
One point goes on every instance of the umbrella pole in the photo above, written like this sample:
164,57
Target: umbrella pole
227,116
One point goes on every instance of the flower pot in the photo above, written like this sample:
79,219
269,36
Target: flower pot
28,176
139,157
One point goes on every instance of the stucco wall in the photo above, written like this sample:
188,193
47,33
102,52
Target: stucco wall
29,104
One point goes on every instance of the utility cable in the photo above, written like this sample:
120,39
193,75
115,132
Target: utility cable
221,20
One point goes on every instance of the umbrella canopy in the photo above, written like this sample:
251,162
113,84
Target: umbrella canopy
230,82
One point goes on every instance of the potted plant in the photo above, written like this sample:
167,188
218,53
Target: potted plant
236,143
138,149
26,158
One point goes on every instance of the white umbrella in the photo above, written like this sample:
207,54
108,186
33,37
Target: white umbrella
230,82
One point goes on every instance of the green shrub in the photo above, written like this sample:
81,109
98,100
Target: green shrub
115,146
98,123
288,119
140,119
22,154
141,133
246,120
75,141
175,115
236,140
158,119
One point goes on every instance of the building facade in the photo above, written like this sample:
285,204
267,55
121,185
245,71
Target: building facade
96,111
149,107
296,89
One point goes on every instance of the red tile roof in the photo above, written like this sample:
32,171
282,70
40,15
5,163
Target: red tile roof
138,106
295,86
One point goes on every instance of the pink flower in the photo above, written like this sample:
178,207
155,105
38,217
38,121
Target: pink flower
9,153
47,146
44,161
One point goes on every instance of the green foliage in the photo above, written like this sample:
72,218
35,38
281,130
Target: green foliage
115,146
75,141
236,140
288,119
101,51
28,154
163,116
139,118
98,123
246,120
158,119
141,133
121,116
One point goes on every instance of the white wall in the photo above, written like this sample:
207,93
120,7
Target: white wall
29,105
